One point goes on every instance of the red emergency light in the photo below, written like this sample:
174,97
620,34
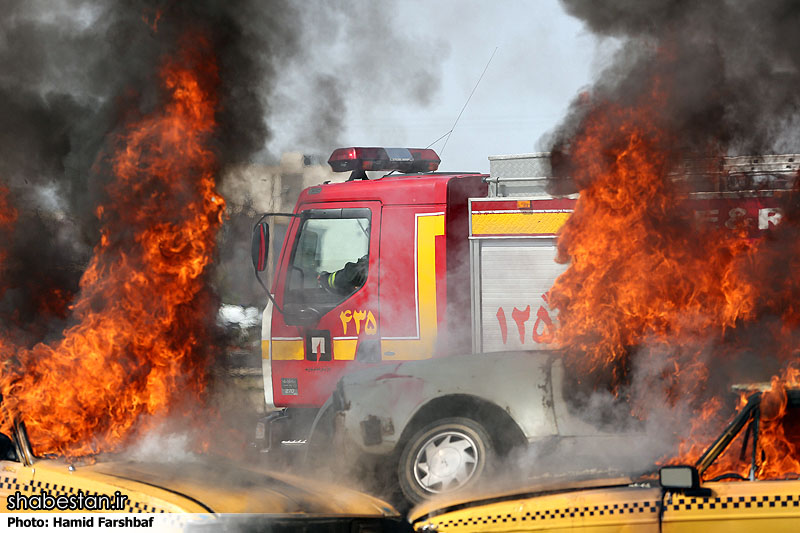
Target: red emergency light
400,159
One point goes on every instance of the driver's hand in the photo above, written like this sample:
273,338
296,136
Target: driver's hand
322,279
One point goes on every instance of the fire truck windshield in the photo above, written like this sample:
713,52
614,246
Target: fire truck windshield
330,260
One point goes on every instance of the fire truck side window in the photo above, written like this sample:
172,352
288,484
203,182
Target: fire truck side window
325,246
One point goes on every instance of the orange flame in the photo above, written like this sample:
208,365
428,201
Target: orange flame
648,286
779,452
640,266
139,337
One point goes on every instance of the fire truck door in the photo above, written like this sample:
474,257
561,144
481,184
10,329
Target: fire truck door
332,271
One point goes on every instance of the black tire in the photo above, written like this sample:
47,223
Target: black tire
463,451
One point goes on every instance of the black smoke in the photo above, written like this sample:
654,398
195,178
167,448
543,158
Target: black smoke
730,70
73,73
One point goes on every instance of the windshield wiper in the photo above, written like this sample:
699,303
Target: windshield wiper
724,440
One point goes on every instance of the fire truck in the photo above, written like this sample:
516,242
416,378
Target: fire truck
420,265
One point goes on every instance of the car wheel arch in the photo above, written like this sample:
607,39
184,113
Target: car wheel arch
501,427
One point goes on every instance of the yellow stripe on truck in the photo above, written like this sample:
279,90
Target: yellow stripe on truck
292,350
286,350
428,227
344,349
518,223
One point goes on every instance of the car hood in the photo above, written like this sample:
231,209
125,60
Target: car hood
462,500
219,486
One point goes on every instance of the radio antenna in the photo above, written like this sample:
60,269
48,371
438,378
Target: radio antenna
447,134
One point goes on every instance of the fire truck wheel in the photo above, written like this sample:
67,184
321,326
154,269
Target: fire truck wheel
444,456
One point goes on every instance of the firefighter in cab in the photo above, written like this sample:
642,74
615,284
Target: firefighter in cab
346,280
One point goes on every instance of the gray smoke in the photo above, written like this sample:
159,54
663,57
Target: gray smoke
353,56
730,69
356,56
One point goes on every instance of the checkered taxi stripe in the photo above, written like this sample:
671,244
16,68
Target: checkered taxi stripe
55,490
774,501
544,516
10,483
677,503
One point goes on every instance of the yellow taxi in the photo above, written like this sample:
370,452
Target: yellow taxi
728,489
32,484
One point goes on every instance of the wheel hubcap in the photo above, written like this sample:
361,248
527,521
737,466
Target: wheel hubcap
446,462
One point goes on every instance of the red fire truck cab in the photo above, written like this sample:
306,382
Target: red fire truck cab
408,300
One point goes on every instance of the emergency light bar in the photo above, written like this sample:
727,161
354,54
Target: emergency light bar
400,159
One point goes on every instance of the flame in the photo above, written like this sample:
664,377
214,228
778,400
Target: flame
652,293
776,456
139,337
640,266
779,430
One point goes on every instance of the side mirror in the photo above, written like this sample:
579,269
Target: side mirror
679,477
260,246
